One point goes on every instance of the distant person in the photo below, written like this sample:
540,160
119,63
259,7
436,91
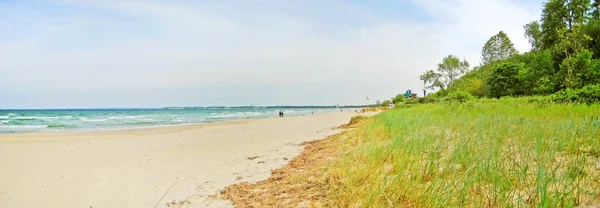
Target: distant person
280,114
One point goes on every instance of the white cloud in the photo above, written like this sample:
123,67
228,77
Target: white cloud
261,52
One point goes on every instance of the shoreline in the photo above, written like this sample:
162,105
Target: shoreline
67,132
134,168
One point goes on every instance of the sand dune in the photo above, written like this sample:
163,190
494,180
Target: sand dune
182,164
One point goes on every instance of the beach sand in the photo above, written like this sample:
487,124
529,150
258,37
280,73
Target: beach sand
177,166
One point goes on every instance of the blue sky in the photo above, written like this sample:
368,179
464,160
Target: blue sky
74,54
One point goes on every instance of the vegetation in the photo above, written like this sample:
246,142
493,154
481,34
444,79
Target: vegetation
486,153
447,72
398,99
564,56
386,103
520,130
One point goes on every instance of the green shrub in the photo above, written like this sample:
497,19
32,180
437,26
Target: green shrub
428,99
588,95
460,96
386,103
412,101
398,99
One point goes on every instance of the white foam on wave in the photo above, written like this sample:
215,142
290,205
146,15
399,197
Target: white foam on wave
24,127
91,120
236,114
35,117
4,117
4,121
133,117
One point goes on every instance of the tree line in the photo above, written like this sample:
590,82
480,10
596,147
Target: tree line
564,58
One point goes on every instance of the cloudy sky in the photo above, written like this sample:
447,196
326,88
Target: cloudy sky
82,54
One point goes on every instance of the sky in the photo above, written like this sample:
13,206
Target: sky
107,54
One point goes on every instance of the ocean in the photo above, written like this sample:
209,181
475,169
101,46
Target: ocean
57,120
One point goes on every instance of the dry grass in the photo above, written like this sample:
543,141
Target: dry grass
301,183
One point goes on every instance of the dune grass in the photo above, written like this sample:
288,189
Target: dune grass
486,153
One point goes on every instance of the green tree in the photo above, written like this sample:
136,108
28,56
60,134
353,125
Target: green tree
539,73
398,99
497,48
592,74
592,29
573,70
378,102
451,69
504,80
595,10
431,80
577,12
533,33
554,15
447,72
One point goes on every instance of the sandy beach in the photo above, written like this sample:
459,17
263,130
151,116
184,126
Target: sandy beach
177,166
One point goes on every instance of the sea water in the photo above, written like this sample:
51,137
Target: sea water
56,120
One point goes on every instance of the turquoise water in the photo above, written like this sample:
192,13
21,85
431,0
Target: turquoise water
55,120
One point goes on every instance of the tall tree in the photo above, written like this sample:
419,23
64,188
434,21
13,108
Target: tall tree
577,12
560,14
451,69
595,13
497,48
554,15
447,72
533,33
431,80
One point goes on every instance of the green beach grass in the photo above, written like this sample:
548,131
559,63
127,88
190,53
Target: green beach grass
484,153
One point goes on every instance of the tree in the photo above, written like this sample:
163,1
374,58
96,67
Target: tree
573,70
447,72
595,13
554,15
431,80
592,74
592,29
386,102
451,69
539,72
577,12
378,103
533,33
562,14
497,48
504,81
398,99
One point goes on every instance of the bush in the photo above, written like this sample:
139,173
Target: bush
385,103
588,95
398,99
504,80
412,101
428,99
460,96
